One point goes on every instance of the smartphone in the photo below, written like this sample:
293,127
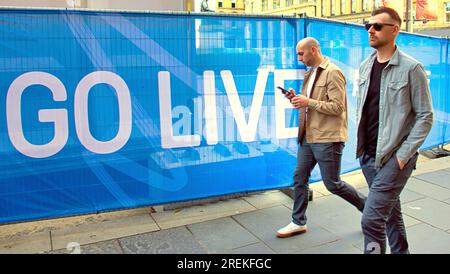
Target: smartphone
285,91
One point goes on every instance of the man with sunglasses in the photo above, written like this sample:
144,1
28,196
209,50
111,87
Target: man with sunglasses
394,116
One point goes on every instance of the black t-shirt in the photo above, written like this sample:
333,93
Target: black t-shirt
371,109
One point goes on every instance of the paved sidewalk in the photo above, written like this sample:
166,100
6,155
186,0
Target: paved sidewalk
245,225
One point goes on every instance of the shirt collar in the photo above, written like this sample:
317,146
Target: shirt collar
394,61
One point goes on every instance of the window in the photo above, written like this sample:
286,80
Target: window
447,12
322,8
378,3
289,3
353,6
365,5
233,4
276,4
264,5
342,7
219,4
332,7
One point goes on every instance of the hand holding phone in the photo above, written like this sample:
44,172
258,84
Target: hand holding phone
288,93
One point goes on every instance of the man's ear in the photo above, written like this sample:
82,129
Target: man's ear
396,28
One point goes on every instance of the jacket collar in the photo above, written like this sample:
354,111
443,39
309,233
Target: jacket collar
395,58
323,65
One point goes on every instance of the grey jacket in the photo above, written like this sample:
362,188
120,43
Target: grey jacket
406,113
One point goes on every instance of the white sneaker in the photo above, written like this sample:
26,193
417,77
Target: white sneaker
291,230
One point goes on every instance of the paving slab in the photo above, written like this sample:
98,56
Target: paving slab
429,211
34,236
410,221
428,189
107,247
337,247
221,235
433,165
422,159
408,196
268,199
197,214
328,205
320,188
289,205
339,222
265,222
355,178
171,241
258,248
440,178
360,245
32,227
317,194
35,243
426,239
103,231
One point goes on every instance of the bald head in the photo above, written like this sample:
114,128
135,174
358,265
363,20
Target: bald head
308,43
308,52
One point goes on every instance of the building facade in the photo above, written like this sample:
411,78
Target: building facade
230,6
354,11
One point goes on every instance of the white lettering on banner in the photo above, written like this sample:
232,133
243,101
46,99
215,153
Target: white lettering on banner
168,140
247,130
56,116
82,117
209,87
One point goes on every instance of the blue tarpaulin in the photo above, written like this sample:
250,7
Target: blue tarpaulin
114,110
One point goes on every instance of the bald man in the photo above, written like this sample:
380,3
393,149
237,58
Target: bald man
322,132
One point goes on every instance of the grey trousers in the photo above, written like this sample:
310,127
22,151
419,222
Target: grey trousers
382,212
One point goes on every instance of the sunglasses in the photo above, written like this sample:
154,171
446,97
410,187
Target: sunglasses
377,26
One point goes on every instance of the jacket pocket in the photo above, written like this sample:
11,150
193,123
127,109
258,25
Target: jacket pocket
397,93
321,83
319,91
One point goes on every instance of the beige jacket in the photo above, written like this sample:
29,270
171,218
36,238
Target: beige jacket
327,109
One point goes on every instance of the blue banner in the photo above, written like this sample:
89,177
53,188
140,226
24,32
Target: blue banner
114,110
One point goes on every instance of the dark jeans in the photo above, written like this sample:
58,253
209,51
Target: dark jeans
382,213
328,156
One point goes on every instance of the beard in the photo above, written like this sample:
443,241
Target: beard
376,43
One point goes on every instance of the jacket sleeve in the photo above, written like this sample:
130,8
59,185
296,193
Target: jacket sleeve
335,104
422,107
